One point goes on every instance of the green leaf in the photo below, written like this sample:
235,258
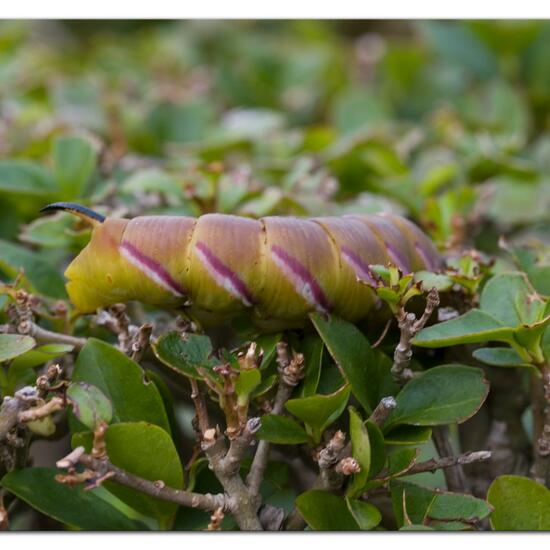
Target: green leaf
247,381
89,404
44,427
313,355
24,177
74,161
520,504
410,502
42,277
282,430
70,505
408,435
473,327
153,180
456,44
40,355
122,381
352,351
500,357
431,280
360,450
422,505
441,395
14,345
146,451
355,109
264,386
401,461
510,300
184,354
167,397
267,344
319,411
366,515
449,506
20,372
545,344
378,449
324,511
54,232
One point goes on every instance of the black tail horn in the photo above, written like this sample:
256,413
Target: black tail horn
76,209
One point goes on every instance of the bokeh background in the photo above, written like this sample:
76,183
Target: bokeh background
446,122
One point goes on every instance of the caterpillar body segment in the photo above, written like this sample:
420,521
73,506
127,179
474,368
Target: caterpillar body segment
277,269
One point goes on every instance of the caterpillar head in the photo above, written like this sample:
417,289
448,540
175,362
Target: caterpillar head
99,275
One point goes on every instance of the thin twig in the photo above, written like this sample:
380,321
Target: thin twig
155,489
115,319
328,456
448,461
454,475
541,414
291,371
140,341
200,407
12,407
409,326
239,446
383,410
35,413
383,335
44,336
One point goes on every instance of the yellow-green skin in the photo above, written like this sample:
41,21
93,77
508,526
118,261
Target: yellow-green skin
278,269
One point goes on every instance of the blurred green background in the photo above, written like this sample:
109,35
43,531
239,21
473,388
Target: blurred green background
446,122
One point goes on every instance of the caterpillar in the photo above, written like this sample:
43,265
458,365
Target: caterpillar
278,269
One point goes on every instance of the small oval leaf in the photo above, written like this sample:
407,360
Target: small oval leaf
89,404
441,395
319,411
14,345
520,504
282,430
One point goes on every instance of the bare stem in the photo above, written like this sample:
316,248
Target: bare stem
409,326
140,341
156,489
12,407
454,474
239,446
200,407
35,413
290,374
383,410
541,416
44,336
448,461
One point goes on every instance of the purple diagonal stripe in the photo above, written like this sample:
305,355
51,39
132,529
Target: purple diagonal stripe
304,282
224,275
397,259
361,268
430,262
151,268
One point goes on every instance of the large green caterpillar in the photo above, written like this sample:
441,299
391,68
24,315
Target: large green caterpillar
279,269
